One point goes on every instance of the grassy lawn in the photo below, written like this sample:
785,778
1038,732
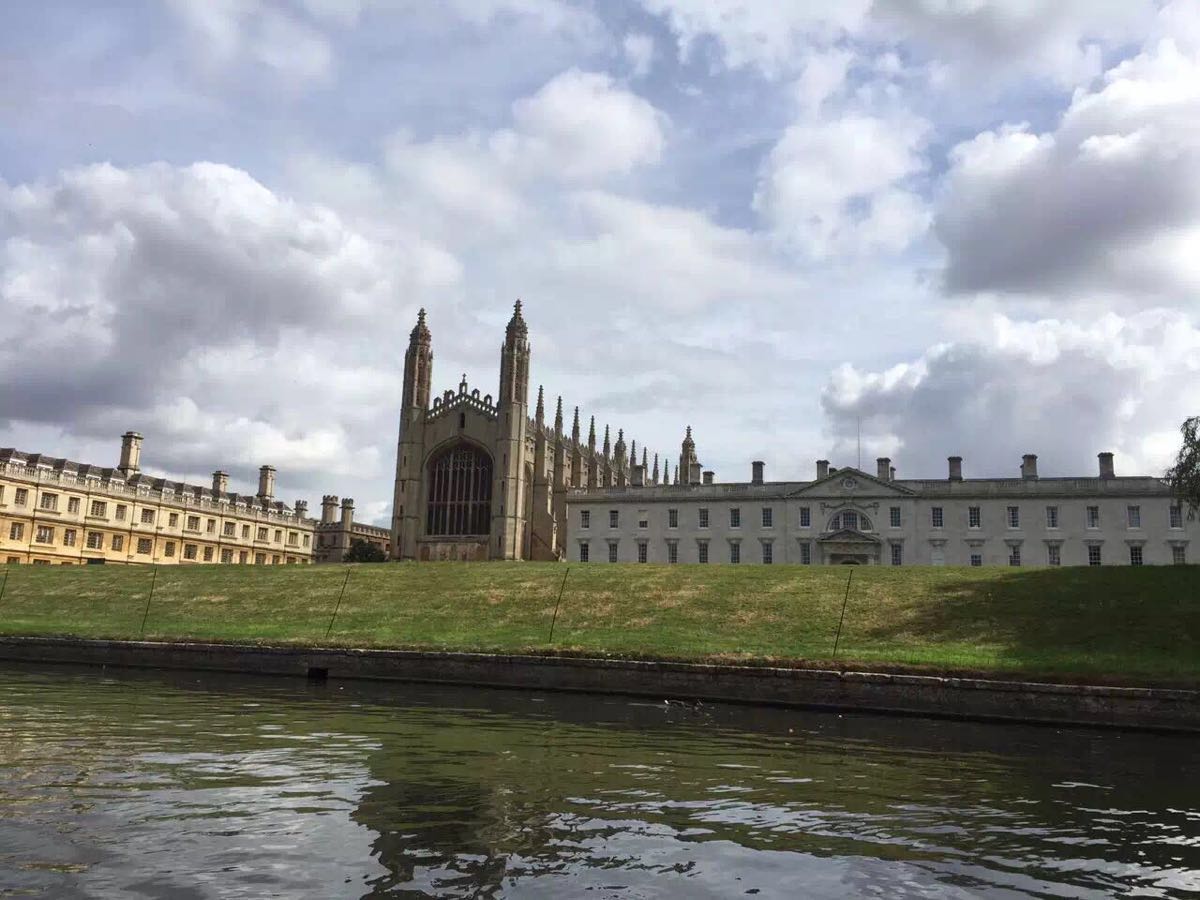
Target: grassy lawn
1128,625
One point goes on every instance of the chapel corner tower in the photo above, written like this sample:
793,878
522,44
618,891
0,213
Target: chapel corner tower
418,373
510,485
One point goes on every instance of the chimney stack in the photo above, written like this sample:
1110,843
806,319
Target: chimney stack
708,477
756,472
883,468
301,509
220,482
266,482
329,509
131,454
955,467
892,474
638,477
822,468
1029,466
347,514
1106,465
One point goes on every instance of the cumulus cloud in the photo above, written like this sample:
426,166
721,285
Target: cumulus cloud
639,53
195,303
842,184
1061,389
1109,201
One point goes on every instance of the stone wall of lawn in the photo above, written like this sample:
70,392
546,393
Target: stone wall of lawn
924,695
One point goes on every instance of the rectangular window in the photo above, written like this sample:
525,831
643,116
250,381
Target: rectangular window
1134,516
1178,555
805,517
1014,555
278,535
50,502
73,505
147,517
242,557
293,539
977,559
118,542
1135,555
1093,520
208,554
1014,517
274,559
227,556
1093,554
69,537
173,520
614,518
612,551
306,540
672,518
643,520
144,546
121,510
211,526
169,548
702,551
974,517
735,517
805,553
95,540
935,516
1175,516
1051,516
643,552
245,532
672,552
193,523
98,508
768,552
735,553
16,531
44,534
1054,555
894,516
229,529
897,554
768,517
260,559
21,496
850,520
585,518
189,551
703,517
261,534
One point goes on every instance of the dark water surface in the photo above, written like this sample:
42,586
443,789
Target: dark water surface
120,784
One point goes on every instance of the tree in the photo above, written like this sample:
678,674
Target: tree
1184,476
364,552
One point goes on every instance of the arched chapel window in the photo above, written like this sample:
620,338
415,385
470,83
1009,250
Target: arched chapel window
460,492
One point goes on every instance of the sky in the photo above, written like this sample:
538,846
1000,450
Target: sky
926,227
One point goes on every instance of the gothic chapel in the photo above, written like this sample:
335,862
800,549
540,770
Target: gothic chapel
476,477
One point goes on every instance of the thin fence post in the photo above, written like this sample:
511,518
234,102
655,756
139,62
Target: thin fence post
337,606
4,584
845,600
561,588
149,597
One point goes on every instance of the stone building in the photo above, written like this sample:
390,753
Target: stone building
56,511
336,531
477,477
847,516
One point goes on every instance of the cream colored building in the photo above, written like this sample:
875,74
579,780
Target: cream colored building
337,530
59,512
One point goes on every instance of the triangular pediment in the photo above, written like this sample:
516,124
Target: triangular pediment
849,536
849,483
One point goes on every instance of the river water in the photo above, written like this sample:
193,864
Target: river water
124,784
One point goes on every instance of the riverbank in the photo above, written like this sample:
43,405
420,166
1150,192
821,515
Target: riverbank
980,699
1120,626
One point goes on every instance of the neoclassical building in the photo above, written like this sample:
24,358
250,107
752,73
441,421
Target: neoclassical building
478,478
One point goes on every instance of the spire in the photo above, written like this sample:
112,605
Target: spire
655,476
462,385
687,439
592,434
558,418
575,427
540,413
645,461
420,332
607,444
516,325
666,472
632,455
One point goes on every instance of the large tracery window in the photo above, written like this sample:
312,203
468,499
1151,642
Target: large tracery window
460,492
851,521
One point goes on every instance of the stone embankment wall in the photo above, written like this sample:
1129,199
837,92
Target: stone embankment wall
926,695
